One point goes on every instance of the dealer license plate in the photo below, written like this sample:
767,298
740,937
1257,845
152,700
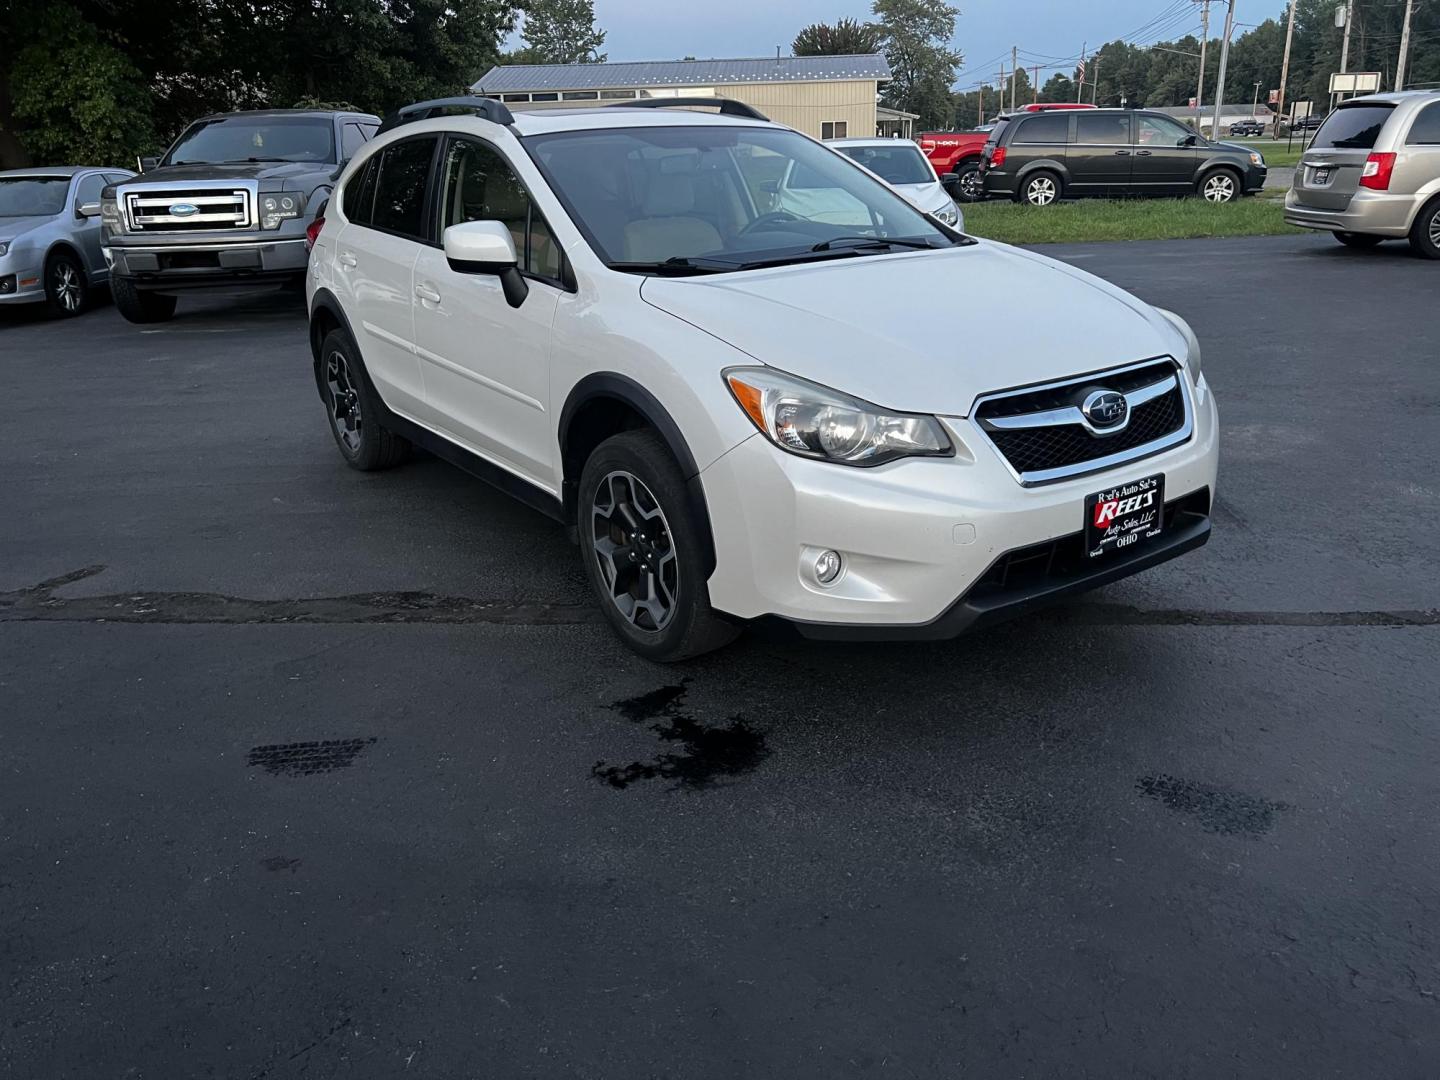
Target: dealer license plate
1125,515
1322,176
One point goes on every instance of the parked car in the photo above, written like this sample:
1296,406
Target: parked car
1309,123
955,155
1372,173
592,310
227,205
1039,158
1247,127
900,164
50,235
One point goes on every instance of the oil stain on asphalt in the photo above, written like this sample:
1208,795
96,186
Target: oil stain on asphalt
1229,813
705,754
307,758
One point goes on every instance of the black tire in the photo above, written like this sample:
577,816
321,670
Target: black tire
353,408
67,290
1220,186
1425,233
631,482
968,187
1359,241
140,307
1039,188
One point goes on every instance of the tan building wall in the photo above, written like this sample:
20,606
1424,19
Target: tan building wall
805,106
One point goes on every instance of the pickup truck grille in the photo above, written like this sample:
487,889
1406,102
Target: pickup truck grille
1044,437
214,208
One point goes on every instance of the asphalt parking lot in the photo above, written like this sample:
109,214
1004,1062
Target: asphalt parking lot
1183,827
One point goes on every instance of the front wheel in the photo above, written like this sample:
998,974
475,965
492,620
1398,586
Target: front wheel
364,442
66,289
1220,186
140,307
969,184
1425,233
1362,241
643,550
1040,189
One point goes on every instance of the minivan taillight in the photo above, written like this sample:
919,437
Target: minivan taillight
997,157
1376,173
312,232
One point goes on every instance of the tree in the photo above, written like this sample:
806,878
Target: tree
561,32
846,38
1059,87
922,63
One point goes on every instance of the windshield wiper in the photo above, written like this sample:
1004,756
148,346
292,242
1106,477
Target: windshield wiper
679,266
870,242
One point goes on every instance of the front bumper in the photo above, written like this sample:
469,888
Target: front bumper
167,266
920,539
1374,212
20,285
1254,181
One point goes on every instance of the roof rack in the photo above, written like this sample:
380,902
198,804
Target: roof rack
727,106
485,108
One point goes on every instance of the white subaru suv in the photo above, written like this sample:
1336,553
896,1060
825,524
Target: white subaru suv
739,409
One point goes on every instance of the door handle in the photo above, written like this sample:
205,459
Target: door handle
1142,153
427,293
348,261
1122,153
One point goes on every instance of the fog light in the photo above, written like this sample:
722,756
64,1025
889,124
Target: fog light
827,567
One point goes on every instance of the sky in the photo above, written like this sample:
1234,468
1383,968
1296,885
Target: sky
1045,30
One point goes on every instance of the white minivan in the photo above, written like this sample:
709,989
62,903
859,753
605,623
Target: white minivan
733,405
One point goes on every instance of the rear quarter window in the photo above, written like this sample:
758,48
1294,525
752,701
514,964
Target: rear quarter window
1352,127
1425,131
1046,128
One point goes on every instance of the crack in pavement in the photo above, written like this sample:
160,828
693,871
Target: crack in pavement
38,603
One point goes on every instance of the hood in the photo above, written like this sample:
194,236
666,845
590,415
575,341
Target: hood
11,227
252,170
924,332
926,196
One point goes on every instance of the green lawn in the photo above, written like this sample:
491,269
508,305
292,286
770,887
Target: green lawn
1281,154
1134,219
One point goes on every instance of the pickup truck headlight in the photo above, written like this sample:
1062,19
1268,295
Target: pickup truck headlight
277,208
814,421
109,217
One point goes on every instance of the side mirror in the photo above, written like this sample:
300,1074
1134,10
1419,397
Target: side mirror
1190,140
87,209
148,163
486,247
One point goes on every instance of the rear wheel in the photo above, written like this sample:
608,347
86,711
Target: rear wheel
364,442
1040,188
642,549
1220,186
969,184
66,289
1362,241
140,307
1425,233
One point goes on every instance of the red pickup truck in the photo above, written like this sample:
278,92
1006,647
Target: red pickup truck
958,152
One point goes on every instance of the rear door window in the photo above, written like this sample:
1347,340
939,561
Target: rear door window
352,138
1042,128
360,193
401,185
1102,129
1352,127
1426,129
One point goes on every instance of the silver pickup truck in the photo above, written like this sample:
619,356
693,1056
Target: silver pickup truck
226,206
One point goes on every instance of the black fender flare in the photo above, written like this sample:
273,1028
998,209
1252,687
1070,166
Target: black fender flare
622,388
1048,165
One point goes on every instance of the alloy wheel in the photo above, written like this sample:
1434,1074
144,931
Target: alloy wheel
635,551
68,290
1219,188
1040,191
344,401
972,186
1435,228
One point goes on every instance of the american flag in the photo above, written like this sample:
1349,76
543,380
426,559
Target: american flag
1082,69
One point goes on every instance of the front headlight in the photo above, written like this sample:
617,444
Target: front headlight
1256,159
948,214
1192,343
816,422
277,208
4,248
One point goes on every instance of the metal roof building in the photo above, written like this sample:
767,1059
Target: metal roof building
823,96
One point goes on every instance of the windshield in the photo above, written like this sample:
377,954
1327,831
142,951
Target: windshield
32,196
709,199
1352,127
900,164
232,139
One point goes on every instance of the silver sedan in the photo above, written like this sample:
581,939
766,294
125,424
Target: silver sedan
50,235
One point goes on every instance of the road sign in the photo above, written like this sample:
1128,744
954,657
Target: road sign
1355,82
1274,97
1299,110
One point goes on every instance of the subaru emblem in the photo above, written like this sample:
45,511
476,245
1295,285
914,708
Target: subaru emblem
183,209
1105,408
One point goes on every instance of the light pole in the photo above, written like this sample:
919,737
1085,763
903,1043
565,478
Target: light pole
1285,69
1224,60
1255,105
1204,42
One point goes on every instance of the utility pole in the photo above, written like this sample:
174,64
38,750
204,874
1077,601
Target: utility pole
1000,87
1014,69
1080,86
1404,46
1285,67
1095,86
1345,44
1204,43
1224,60
980,106
1035,84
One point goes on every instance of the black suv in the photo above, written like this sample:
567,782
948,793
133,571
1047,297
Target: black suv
228,205
1037,158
